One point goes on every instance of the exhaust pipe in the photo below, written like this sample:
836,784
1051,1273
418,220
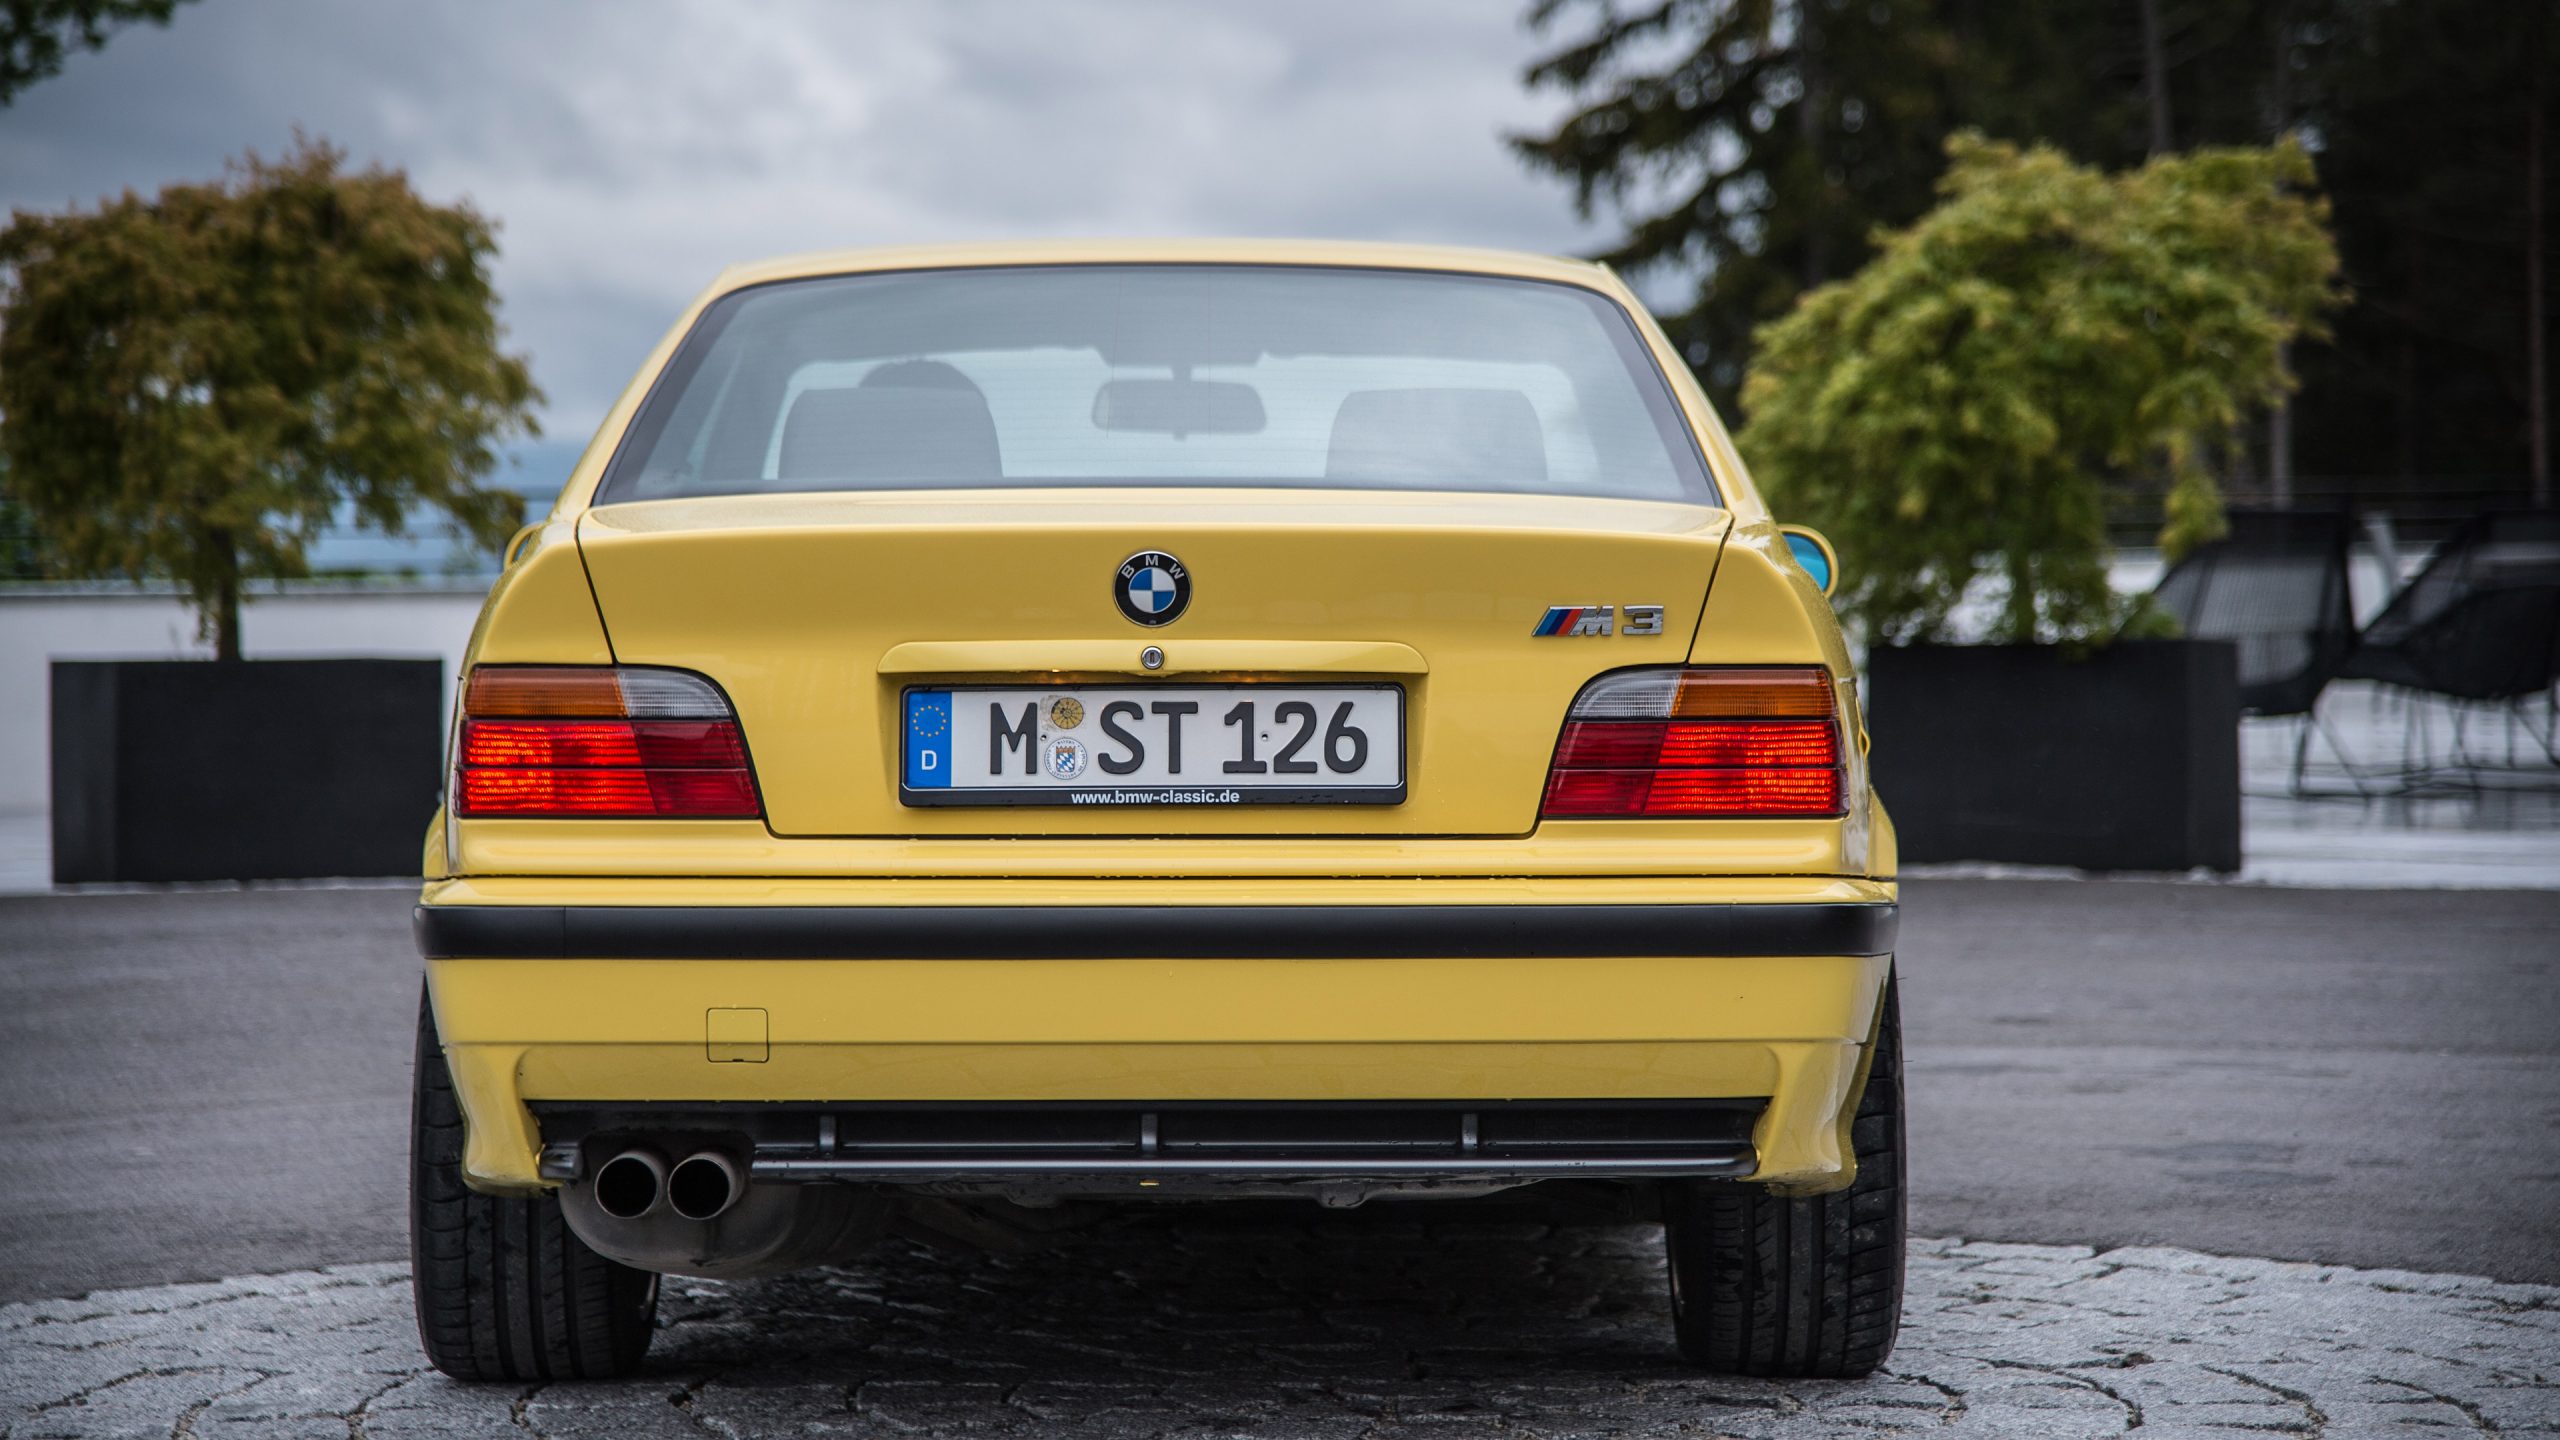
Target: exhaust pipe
630,1184
704,1185
704,1215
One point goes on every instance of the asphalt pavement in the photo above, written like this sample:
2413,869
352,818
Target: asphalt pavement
211,1084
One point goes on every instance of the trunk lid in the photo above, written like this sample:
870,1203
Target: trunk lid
816,613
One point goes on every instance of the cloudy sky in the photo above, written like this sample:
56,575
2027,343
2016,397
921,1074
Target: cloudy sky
630,150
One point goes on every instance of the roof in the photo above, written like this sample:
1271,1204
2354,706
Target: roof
1369,254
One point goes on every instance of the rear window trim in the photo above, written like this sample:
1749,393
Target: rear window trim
650,418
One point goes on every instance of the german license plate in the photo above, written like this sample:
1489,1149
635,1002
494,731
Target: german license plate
1154,745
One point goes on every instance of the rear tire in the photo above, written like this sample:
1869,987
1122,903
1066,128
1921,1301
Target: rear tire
1807,1288
504,1290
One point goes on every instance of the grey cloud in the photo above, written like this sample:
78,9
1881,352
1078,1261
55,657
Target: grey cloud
630,150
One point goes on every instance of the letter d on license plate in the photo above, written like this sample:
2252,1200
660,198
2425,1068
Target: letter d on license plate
1154,745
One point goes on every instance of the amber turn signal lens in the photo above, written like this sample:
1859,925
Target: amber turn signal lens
1755,694
543,690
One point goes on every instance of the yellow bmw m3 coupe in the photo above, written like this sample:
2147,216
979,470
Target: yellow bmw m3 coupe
987,732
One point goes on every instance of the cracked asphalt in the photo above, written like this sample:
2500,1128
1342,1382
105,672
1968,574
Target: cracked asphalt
1382,1327
203,1085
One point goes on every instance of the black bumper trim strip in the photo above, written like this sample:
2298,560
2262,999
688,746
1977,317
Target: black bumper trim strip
1094,932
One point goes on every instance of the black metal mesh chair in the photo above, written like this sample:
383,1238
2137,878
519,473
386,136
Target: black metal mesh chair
2276,587
2480,624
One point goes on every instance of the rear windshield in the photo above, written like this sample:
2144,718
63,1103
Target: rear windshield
1161,375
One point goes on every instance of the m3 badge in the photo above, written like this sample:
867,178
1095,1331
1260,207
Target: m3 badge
1571,620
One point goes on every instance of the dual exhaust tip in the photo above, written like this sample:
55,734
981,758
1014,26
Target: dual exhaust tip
701,1186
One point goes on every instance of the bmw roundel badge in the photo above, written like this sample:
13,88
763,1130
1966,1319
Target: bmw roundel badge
1152,588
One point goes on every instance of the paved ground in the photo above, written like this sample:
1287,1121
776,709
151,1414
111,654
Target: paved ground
201,1085
2362,1078
1358,1329
211,1084
194,1086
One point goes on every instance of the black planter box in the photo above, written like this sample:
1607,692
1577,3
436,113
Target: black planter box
2128,759
255,770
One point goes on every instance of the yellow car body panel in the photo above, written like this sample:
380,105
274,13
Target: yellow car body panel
820,581
541,610
1780,848
790,603
1165,1030
1646,1026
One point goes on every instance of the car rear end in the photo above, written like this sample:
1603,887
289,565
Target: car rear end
985,731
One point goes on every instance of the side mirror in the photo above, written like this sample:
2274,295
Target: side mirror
1813,553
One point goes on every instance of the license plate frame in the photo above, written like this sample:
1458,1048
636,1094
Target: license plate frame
1214,787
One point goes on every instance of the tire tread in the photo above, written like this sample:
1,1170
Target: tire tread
505,1290
1800,1287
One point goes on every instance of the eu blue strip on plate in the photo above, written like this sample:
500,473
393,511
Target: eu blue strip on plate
928,739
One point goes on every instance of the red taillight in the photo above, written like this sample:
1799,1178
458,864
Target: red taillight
600,741
1693,792
668,744
1688,744
1728,742
607,792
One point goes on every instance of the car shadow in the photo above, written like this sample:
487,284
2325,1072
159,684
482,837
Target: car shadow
1190,1317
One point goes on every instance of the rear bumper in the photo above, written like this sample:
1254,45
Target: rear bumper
1639,995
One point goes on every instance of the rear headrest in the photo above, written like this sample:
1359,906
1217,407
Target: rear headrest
891,433
1472,437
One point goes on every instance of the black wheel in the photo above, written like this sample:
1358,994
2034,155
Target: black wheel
1762,1284
504,1290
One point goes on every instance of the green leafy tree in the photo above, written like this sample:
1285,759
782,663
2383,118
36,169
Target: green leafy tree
1973,396
1753,146
193,385
20,559
1748,148
36,36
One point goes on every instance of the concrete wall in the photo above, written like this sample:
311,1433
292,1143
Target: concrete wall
40,625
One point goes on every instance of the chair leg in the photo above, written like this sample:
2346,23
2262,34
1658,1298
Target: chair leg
2419,768
2461,766
2413,741
2312,720
2524,722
